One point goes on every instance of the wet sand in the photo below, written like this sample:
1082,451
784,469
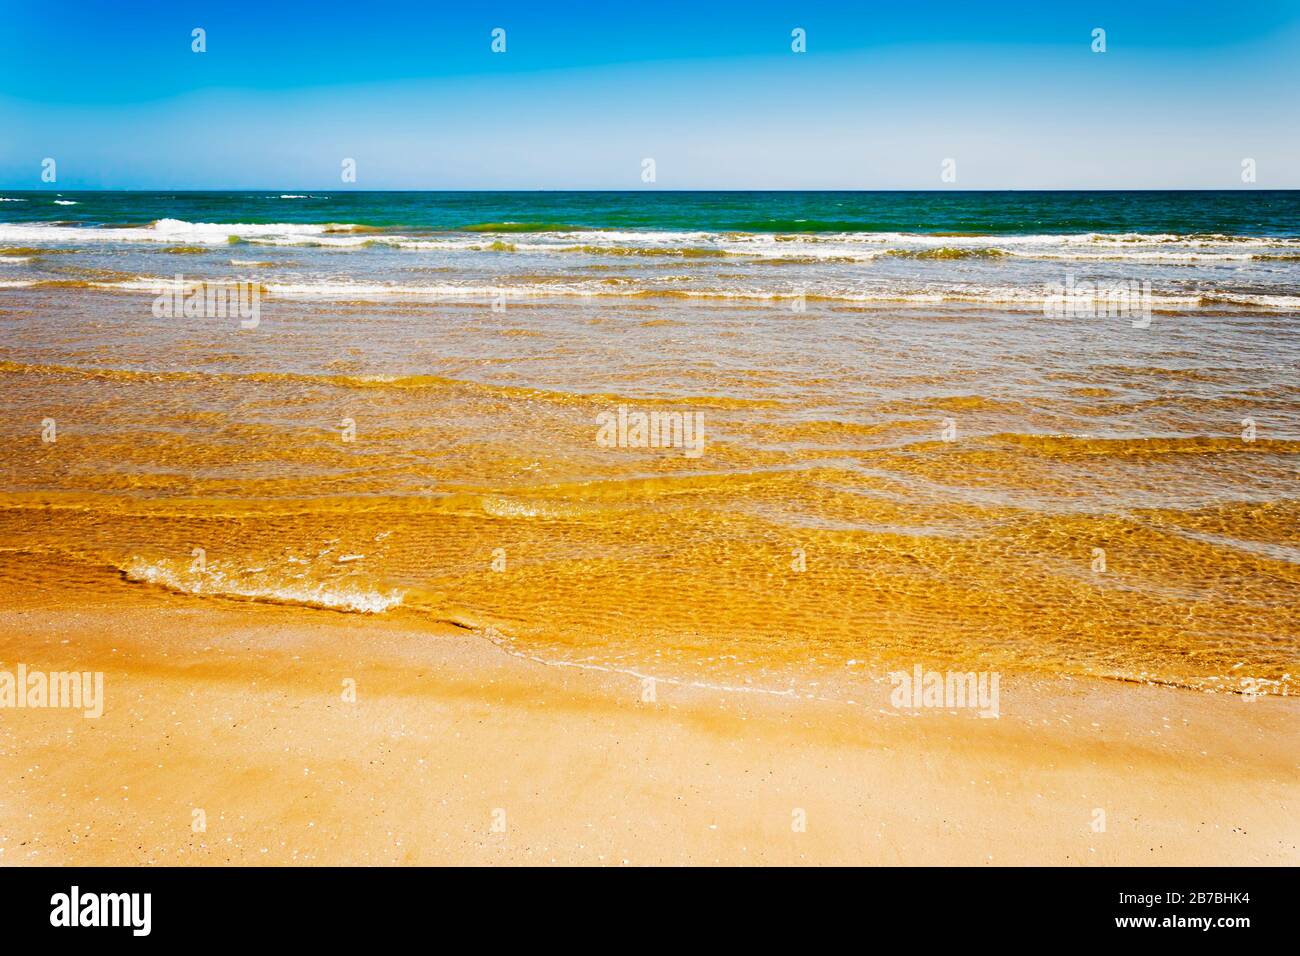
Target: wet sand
457,752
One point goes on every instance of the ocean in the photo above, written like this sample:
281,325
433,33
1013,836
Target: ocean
765,437
1195,248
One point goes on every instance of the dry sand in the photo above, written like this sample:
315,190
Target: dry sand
238,711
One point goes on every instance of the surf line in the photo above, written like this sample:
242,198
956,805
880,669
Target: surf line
497,638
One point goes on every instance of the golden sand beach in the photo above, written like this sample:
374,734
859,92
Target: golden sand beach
454,751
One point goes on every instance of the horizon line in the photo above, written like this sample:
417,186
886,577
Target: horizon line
890,189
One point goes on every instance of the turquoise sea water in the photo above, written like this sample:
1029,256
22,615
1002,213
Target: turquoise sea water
1238,212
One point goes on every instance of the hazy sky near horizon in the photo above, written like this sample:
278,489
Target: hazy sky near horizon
413,92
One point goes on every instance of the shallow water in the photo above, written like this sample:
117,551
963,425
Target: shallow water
913,462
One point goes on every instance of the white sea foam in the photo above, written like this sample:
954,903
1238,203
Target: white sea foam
167,230
1193,257
216,232
1279,303
215,583
884,293
863,246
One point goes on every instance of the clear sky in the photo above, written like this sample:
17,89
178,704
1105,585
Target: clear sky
413,92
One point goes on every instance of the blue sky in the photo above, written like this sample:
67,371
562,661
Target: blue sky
712,92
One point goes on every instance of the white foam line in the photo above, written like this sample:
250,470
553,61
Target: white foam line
790,693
